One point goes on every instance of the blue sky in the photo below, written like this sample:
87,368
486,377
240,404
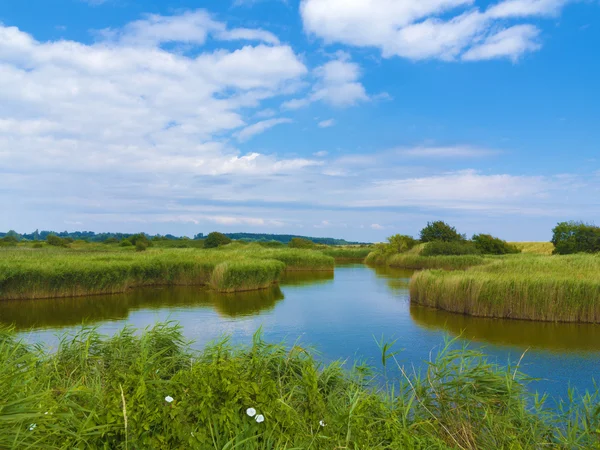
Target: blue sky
346,118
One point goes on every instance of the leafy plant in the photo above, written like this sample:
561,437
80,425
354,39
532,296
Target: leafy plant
575,237
490,245
216,239
440,231
437,248
301,243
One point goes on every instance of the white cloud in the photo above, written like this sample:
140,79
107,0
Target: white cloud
259,127
337,85
376,226
512,42
424,29
326,123
458,151
321,154
191,27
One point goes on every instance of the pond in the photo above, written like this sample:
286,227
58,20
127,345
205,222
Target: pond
340,314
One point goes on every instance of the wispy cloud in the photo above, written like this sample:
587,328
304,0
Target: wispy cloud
326,123
259,127
459,151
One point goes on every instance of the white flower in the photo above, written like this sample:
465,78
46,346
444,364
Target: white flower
251,412
260,418
168,399
322,423
32,426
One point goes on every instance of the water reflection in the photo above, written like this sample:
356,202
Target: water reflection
517,333
63,312
396,279
303,278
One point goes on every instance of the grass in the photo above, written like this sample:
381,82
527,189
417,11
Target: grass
417,262
149,390
95,269
341,254
540,248
545,288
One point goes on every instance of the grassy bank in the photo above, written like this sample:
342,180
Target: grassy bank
539,248
350,254
58,272
418,262
150,391
546,288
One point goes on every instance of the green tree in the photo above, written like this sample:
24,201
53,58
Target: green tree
490,245
400,243
216,239
440,231
55,241
575,237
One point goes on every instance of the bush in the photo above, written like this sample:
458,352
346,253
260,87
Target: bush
140,237
400,243
38,245
440,231
489,245
126,243
301,243
111,240
8,241
438,248
216,239
140,246
55,241
575,237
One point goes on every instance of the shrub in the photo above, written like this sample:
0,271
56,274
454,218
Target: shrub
400,243
126,243
575,237
8,241
55,241
37,245
440,231
301,243
140,237
437,248
489,245
216,239
140,246
111,240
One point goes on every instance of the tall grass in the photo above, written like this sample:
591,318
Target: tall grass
418,262
540,248
347,253
547,288
151,391
53,272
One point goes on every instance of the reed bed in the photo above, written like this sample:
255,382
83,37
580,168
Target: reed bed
341,254
150,390
545,288
417,262
53,272
539,248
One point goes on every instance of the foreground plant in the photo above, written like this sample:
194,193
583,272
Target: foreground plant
150,390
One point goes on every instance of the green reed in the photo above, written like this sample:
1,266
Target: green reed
150,390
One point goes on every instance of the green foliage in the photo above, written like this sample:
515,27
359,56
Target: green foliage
347,253
8,241
489,245
111,240
150,391
141,246
439,248
418,262
301,243
575,237
400,243
56,241
531,287
126,243
235,276
38,245
440,231
216,239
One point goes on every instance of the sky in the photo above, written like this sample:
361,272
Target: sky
355,119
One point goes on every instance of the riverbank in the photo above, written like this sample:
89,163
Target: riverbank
27,273
150,391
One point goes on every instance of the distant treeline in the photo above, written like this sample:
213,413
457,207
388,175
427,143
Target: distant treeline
286,238
91,236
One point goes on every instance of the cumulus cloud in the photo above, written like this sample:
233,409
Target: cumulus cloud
337,84
429,29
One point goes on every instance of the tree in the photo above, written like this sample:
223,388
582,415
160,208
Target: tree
216,239
301,243
54,240
440,231
490,245
575,237
400,243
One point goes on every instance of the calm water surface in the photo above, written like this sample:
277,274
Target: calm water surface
339,314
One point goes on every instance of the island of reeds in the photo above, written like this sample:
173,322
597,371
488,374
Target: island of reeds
558,281
62,267
150,391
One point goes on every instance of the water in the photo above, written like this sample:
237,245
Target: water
341,315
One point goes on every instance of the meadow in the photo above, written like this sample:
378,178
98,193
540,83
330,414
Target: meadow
149,390
91,269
